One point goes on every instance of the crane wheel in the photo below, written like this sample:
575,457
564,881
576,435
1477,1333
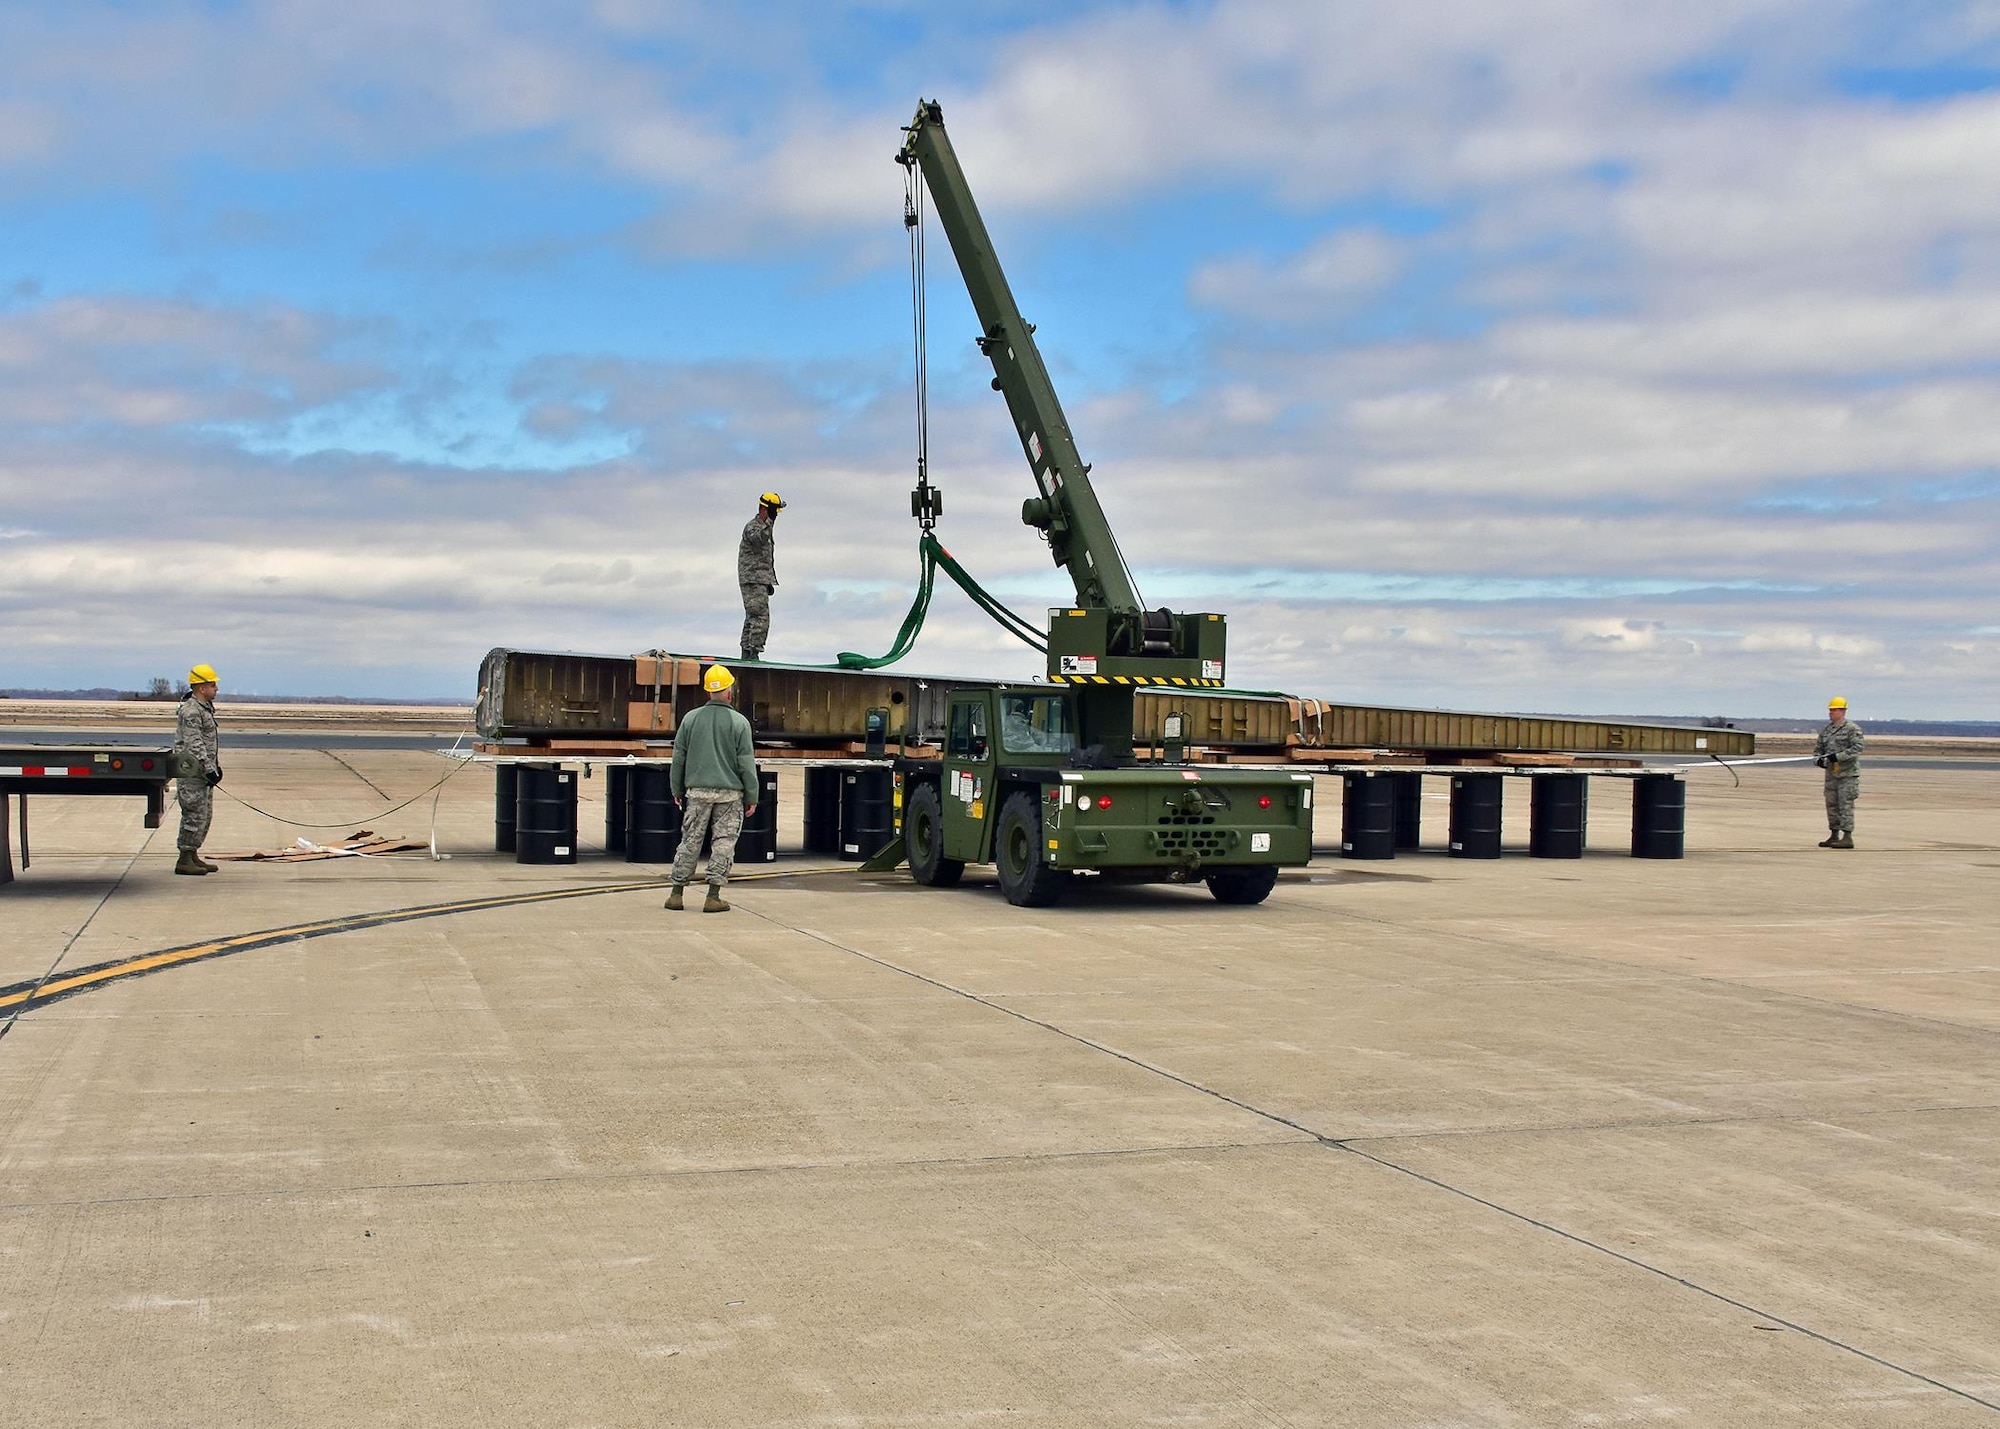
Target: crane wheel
1243,885
923,839
1025,876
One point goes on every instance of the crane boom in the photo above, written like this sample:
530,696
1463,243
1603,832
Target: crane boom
1067,511
1110,637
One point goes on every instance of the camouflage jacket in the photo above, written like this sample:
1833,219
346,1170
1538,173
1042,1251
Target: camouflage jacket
195,733
1838,749
756,557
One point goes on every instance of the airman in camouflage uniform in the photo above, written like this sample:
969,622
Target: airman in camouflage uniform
1838,752
197,749
715,785
757,573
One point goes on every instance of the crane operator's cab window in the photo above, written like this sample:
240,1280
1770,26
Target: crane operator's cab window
968,730
1036,724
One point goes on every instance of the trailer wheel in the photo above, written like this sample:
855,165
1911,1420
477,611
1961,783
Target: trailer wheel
1025,876
923,839
1244,885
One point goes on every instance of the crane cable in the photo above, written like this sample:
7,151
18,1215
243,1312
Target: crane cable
913,225
932,557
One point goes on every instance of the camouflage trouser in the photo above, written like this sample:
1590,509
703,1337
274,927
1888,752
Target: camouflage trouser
197,806
1841,792
756,617
717,813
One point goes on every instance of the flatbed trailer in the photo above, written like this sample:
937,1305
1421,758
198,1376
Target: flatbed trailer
78,771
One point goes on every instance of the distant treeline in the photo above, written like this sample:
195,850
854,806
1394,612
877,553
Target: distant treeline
106,693
1940,728
1936,728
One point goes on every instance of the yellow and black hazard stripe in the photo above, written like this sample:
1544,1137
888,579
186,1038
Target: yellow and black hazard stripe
1182,680
26,996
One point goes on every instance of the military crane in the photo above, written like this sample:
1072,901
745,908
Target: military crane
1045,783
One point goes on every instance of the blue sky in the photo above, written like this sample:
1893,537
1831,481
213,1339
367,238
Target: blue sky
1538,355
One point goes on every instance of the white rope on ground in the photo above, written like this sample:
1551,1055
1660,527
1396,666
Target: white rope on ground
463,760
453,753
349,823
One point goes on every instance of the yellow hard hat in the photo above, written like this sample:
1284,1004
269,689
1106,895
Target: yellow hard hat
203,675
773,500
717,679
1836,703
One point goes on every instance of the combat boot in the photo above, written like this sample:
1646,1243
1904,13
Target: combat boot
1832,839
674,903
1846,839
753,655
210,867
190,864
715,903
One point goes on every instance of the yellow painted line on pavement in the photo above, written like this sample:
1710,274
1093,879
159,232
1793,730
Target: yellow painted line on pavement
23,995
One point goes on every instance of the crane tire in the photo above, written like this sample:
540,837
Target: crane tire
923,839
1243,885
1025,875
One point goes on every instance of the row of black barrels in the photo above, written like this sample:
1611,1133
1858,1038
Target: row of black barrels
1382,812
849,813
534,815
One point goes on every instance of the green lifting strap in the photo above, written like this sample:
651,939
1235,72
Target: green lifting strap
932,558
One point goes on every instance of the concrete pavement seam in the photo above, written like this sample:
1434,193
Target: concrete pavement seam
1349,1146
1337,1144
1081,1040
82,927
1666,1123
1669,974
765,1168
1664,1274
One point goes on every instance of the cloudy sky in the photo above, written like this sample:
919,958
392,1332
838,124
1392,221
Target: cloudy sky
1600,356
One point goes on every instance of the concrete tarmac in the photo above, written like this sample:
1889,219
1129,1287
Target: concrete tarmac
1420,1142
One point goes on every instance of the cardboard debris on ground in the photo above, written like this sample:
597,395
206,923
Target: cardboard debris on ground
365,844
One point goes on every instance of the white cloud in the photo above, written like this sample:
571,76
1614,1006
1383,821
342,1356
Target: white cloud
350,79
1797,640
1830,193
1610,634
154,363
29,133
1671,317
1549,435
1806,332
1336,268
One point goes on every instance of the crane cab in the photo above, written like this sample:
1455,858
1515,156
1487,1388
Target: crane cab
1025,783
